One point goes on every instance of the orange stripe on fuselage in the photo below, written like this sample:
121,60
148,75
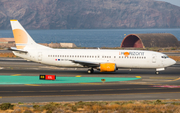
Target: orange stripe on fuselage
20,37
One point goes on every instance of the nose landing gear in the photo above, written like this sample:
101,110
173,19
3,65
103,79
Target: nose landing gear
157,72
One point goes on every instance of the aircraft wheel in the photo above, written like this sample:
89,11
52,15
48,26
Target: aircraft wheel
157,72
90,71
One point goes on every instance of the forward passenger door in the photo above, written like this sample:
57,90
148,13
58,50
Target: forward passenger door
153,58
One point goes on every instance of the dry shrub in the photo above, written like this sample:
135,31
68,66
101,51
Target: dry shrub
128,106
96,108
37,108
112,107
51,106
5,106
80,104
74,108
115,107
154,110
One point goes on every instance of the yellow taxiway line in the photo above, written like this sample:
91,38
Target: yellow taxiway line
16,75
32,85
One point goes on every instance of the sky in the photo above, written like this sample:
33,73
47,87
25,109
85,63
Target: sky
174,2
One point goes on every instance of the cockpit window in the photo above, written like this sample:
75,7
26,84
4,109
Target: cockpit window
165,56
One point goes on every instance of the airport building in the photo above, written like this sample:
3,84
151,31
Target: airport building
150,40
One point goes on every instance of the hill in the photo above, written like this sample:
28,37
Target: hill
89,14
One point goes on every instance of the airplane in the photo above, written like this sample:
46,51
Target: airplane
103,60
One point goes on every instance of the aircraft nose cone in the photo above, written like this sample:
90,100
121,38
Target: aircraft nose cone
173,62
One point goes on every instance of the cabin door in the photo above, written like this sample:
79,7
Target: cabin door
154,58
39,56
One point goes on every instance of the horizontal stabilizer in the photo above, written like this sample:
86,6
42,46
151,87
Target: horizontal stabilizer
15,49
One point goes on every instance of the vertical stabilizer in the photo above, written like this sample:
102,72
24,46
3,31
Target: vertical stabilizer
22,38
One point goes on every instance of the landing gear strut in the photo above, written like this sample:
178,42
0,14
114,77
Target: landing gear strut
90,70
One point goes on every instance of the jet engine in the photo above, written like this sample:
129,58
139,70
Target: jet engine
107,67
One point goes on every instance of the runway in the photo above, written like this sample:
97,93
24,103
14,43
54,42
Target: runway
150,86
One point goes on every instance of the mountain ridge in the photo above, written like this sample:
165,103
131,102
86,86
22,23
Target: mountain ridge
89,14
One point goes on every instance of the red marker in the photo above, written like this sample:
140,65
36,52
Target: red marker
47,77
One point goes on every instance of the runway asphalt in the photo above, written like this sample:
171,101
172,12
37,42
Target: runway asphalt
150,86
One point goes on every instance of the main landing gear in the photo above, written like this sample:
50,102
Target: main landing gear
90,70
157,72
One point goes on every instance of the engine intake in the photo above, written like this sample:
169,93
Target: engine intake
107,67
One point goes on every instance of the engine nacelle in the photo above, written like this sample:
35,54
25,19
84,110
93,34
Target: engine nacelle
107,67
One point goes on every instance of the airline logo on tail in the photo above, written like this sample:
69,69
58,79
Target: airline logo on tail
20,36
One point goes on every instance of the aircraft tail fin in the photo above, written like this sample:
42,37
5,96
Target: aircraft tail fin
22,39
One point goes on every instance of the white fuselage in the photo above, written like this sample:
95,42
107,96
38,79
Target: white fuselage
63,57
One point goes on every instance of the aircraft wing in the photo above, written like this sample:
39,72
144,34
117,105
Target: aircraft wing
86,63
